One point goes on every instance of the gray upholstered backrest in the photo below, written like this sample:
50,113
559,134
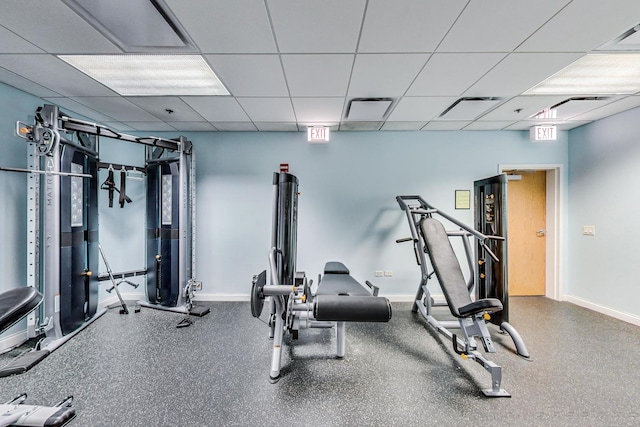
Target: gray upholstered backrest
446,265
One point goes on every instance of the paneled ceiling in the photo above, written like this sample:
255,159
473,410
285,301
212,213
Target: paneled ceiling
290,64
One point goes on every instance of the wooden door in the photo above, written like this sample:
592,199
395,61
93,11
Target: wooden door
527,233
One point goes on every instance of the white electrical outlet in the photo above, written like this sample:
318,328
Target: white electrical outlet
388,273
379,273
589,230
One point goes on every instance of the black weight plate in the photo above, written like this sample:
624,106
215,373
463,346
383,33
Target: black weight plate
257,297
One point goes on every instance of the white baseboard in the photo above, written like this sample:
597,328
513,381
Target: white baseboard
620,315
199,296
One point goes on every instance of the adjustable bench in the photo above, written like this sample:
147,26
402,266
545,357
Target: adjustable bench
471,315
14,305
432,248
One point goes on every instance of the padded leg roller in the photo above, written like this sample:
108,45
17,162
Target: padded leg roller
351,308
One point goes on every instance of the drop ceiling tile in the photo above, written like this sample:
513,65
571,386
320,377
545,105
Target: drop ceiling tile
318,110
584,25
192,126
317,75
519,72
450,74
268,109
377,75
572,124
217,109
250,75
222,26
19,82
420,109
53,27
528,106
450,125
54,74
407,25
118,126
234,126
402,125
487,125
150,126
158,106
498,25
350,126
333,127
12,43
527,124
610,109
74,108
118,108
276,127
521,125
310,26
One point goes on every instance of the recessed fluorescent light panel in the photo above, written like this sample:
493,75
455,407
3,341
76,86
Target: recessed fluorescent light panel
150,75
616,73
469,108
135,25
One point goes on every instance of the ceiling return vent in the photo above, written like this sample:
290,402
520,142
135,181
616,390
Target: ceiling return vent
629,40
368,109
469,108
572,107
135,25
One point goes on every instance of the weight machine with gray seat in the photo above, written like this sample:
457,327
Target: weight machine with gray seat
14,305
339,297
431,239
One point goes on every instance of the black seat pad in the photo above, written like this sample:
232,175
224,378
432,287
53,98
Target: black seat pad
17,303
337,281
447,268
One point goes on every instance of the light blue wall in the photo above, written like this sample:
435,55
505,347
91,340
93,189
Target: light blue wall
603,191
347,203
123,230
14,105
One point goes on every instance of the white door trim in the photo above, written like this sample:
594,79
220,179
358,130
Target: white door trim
553,214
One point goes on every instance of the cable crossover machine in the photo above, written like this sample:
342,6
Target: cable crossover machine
63,248
435,256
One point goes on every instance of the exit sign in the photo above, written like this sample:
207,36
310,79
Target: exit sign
543,133
318,134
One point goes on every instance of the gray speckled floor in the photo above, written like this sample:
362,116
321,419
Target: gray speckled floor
139,370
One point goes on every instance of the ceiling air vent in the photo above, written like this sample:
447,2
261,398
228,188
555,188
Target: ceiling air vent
135,25
469,108
572,107
629,40
368,109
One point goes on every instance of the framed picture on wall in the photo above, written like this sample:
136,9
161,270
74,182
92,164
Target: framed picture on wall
463,199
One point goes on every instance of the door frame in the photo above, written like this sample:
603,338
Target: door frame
553,284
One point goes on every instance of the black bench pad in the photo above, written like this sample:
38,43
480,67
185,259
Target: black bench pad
342,308
335,267
337,281
342,298
489,305
17,303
